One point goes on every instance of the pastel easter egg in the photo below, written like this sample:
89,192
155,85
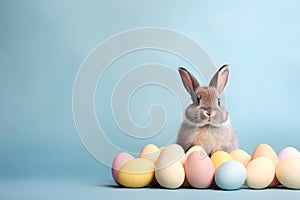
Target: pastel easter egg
119,160
195,148
192,149
162,148
171,176
219,157
169,155
169,171
136,173
241,156
150,152
265,150
288,173
260,173
231,175
288,152
199,169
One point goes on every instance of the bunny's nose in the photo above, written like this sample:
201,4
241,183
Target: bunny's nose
207,113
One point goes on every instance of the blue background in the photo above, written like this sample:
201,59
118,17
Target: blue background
43,43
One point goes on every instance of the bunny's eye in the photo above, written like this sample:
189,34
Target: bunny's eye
198,99
218,101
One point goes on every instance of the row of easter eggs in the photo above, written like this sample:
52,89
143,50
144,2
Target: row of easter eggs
171,167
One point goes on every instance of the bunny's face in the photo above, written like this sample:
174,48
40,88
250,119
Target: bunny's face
206,108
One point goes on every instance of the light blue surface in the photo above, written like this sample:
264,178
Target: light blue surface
74,189
43,43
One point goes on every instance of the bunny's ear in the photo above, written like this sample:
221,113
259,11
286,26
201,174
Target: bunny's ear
189,81
220,78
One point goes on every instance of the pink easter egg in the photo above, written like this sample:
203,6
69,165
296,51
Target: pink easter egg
118,162
288,152
199,169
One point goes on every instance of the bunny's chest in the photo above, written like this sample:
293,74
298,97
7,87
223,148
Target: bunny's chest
209,138
208,133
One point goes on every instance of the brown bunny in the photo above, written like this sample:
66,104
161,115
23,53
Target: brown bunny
206,122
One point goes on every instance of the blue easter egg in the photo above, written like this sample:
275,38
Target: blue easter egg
231,175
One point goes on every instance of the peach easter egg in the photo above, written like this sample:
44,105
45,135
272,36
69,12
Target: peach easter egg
265,150
241,156
260,173
288,173
150,152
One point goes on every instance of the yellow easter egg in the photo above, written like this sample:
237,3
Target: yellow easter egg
241,156
287,172
150,152
220,157
260,173
136,173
